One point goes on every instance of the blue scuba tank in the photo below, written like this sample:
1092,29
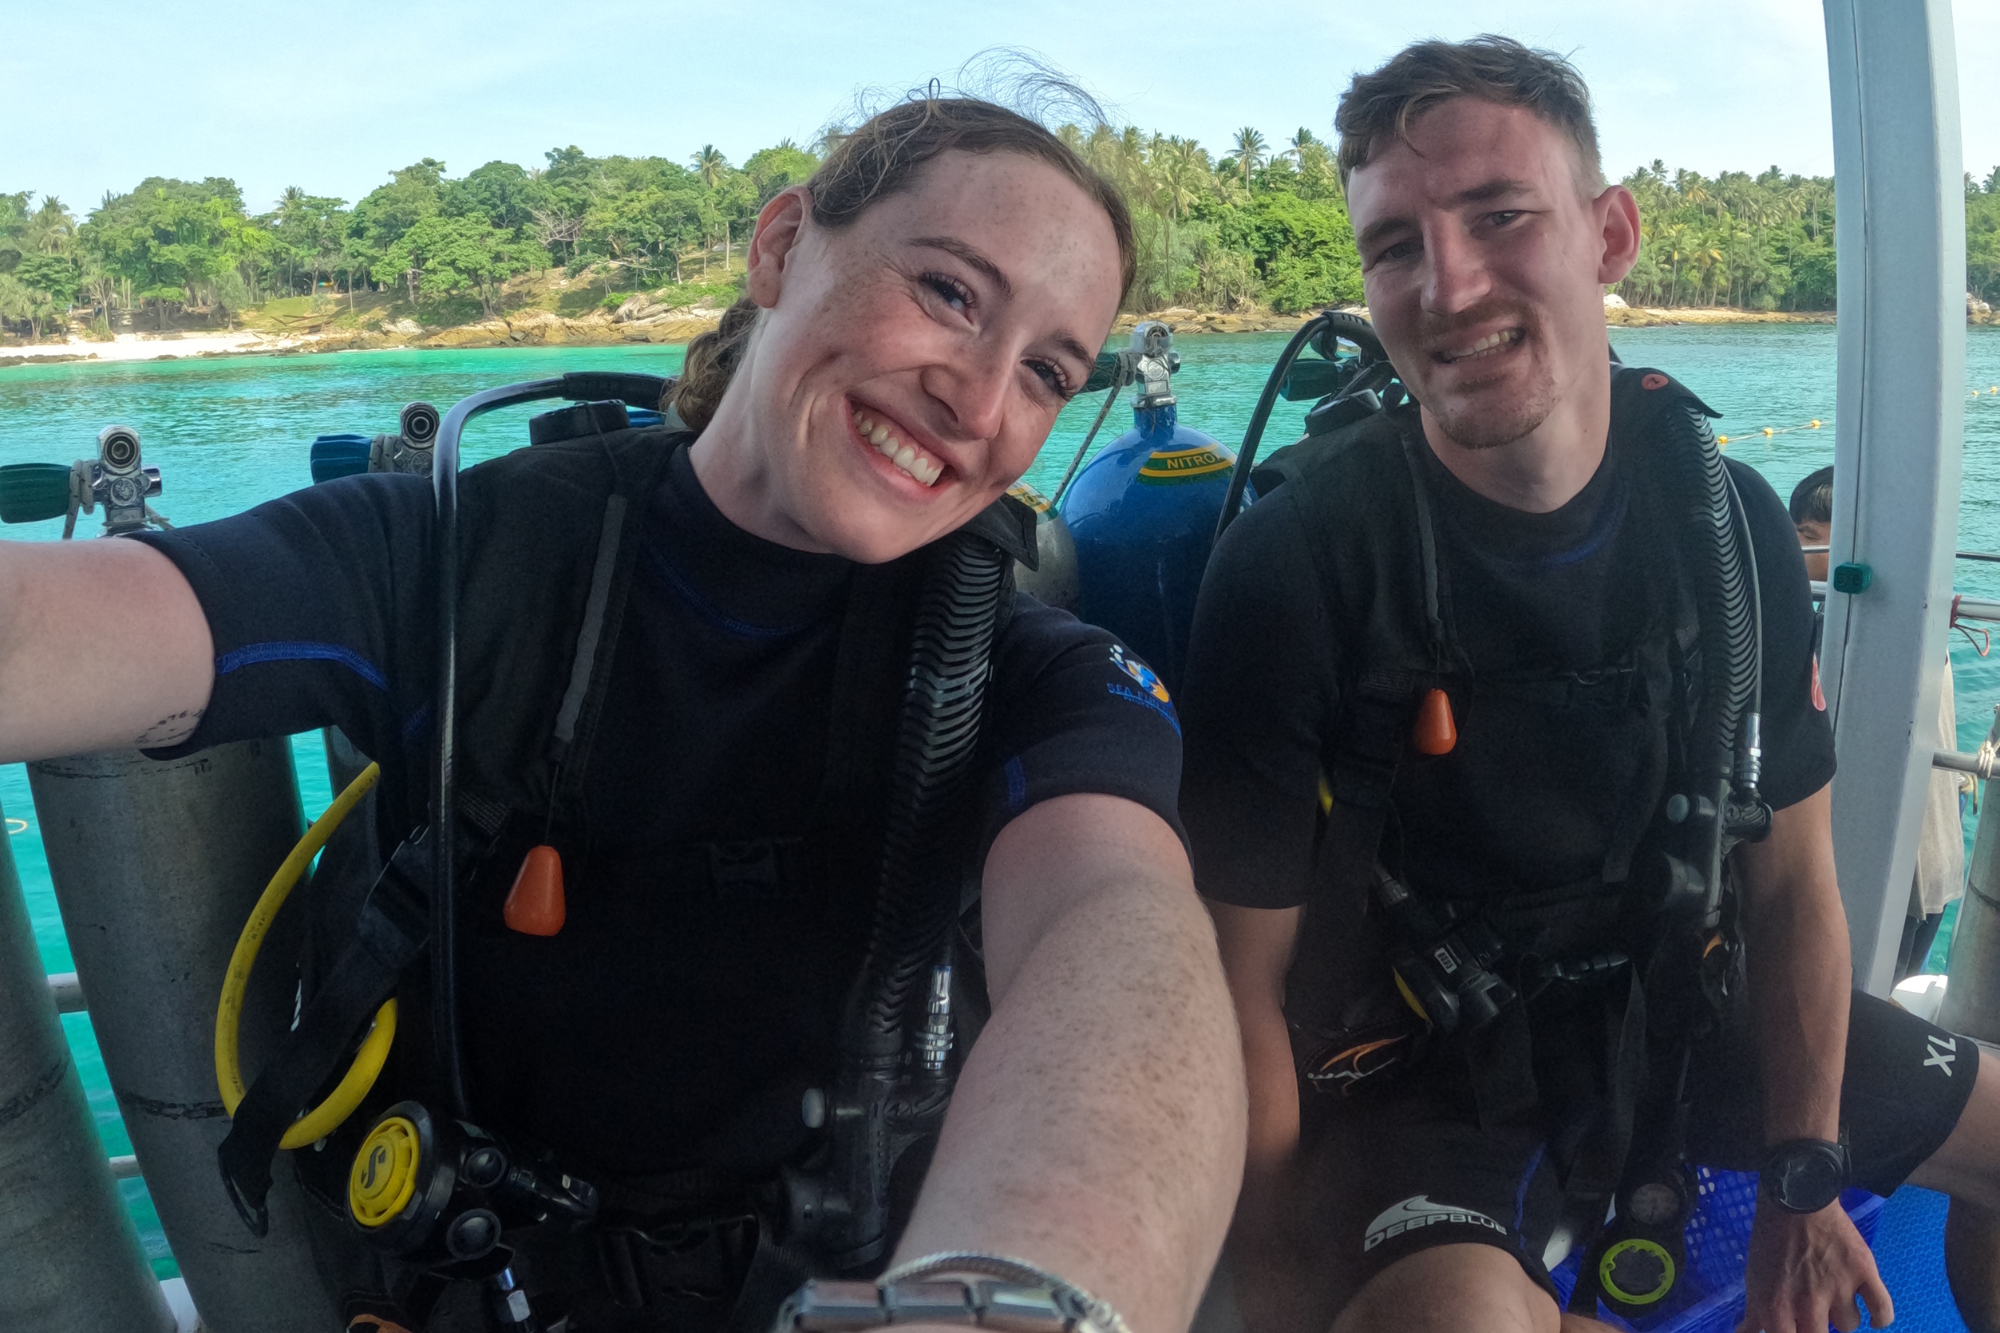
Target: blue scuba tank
1143,516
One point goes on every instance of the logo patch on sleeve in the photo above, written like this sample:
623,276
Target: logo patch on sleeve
1418,1211
1151,692
1140,672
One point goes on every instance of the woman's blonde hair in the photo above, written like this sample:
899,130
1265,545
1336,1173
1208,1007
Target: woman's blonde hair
884,156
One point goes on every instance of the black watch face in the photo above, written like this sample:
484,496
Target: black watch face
1810,1180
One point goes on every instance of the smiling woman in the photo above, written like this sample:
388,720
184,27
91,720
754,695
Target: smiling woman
761,691
945,277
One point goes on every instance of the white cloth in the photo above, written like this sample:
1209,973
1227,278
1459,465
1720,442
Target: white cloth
1941,844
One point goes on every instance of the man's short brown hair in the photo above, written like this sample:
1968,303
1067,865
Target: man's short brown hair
1498,69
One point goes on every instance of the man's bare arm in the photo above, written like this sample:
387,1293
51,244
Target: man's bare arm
1097,1129
1256,945
1800,974
102,646
1804,1270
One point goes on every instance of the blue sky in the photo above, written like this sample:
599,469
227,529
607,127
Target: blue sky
333,95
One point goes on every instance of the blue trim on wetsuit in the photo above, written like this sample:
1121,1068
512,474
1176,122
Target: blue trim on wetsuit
1521,1190
257,654
1610,518
1017,783
708,610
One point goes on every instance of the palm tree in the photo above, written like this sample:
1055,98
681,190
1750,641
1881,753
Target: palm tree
1812,197
52,227
1250,152
709,164
1301,142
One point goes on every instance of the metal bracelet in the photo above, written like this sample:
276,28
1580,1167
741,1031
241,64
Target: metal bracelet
964,1288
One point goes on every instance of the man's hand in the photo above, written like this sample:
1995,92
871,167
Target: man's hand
1804,1271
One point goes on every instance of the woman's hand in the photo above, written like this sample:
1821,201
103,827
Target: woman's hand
1804,1271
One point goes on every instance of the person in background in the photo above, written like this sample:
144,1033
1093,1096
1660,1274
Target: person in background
1940,874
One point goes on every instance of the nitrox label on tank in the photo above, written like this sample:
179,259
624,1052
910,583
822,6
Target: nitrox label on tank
1029,496
1169,467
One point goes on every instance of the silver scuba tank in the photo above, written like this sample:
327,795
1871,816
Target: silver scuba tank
69,1259
156,864
1971,1002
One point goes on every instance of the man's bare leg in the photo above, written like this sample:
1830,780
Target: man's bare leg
1452,1288
1967,1168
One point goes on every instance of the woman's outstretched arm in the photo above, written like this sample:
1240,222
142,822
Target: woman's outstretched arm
1098,1128
102,646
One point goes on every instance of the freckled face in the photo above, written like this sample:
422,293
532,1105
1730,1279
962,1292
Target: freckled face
913,362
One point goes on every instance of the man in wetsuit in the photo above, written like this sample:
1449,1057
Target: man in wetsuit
1487,234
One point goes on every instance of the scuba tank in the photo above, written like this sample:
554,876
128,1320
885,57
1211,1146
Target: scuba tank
155,863
1143,511
1053,580
68,1251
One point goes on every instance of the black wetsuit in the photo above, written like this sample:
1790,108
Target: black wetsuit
675,1020
1561,591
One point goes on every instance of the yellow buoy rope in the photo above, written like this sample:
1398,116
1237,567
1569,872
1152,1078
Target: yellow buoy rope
1991,392
323,1119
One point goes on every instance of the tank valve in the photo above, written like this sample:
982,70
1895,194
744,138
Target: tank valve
1153,361
409,449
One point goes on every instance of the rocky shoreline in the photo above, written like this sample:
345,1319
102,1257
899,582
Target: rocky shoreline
642,319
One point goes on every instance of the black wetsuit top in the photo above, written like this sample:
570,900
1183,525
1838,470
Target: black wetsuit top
1530,592
665,1026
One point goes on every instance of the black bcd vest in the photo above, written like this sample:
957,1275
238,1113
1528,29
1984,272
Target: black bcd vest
552,533
1557,777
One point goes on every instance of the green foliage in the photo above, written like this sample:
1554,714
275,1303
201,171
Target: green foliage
1982,241
55,276
447,256
169,241
1268,222
779,168
1304,250
1760,243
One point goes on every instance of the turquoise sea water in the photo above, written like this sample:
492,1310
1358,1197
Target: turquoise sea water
227,434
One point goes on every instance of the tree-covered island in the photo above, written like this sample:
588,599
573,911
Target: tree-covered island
1261,228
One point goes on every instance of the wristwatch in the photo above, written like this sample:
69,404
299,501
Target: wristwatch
959,1287
1805,1175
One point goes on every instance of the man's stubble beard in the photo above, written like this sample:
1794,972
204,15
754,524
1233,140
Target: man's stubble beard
1491,427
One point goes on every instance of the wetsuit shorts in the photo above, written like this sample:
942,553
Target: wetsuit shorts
1395,1169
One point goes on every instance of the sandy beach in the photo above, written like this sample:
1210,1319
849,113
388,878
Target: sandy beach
536,326
148,347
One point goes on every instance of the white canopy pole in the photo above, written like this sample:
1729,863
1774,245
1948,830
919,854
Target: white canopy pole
1900,235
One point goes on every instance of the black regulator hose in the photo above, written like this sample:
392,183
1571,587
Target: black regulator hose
1246,457
957,610
638,390
1750,751
1727,614
916,904
1321,331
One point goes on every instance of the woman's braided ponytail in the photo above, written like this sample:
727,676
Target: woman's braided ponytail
712,359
